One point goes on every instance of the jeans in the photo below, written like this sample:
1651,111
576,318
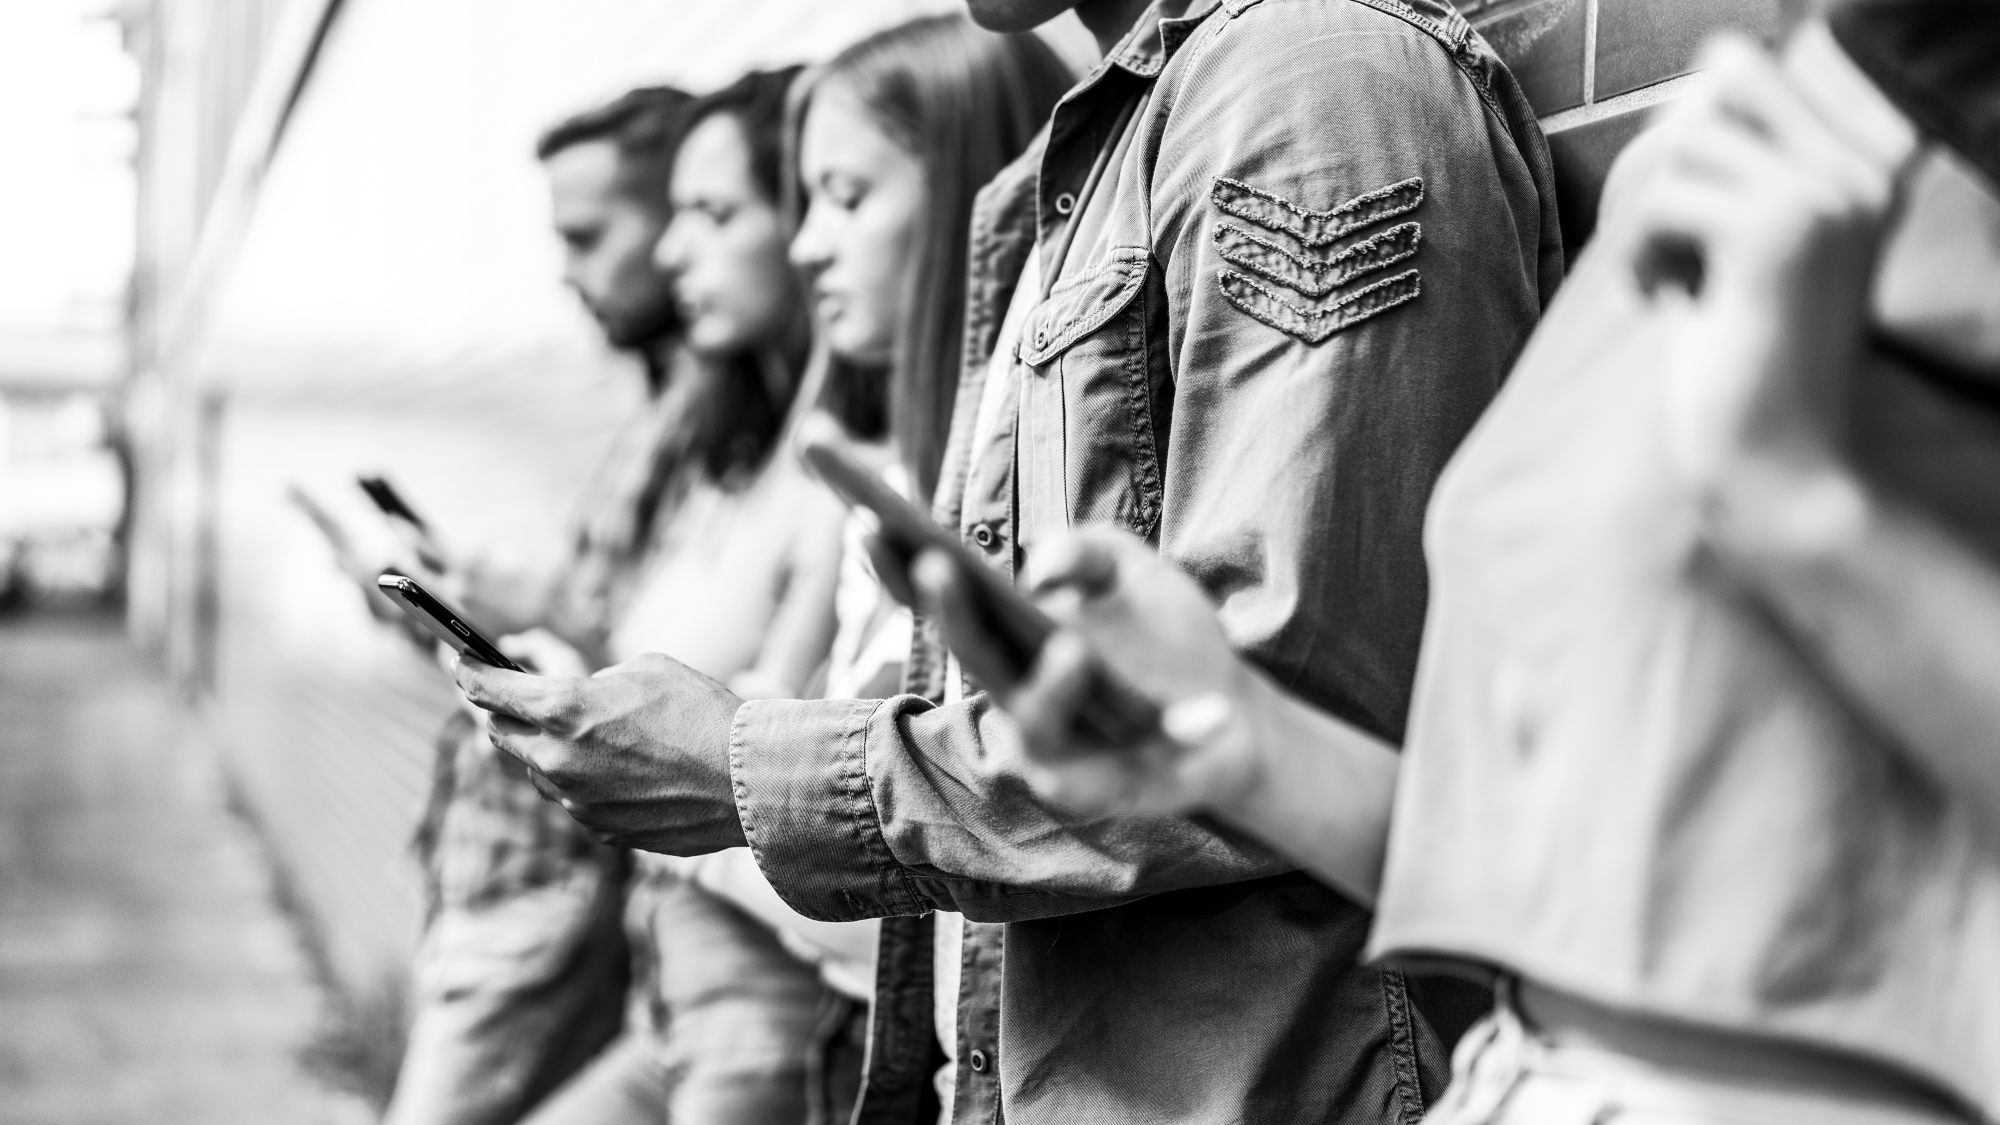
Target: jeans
747,1034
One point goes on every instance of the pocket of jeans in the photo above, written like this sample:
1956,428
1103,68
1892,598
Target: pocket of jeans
1091,338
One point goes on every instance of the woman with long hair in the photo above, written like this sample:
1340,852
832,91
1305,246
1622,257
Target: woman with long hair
895,138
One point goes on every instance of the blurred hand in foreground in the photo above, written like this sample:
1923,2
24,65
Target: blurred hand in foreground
1763,214
1121,608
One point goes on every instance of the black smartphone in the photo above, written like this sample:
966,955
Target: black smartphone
1113,711
443,622
390,501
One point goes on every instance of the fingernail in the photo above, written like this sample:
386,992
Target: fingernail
932,571
1196,720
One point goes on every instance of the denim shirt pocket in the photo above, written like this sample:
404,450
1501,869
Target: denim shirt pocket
1087,447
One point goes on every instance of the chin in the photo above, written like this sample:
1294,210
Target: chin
856,347
715,340
622,336
1015,15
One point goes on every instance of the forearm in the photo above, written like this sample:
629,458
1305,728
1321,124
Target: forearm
1899,613
865,809
1320,791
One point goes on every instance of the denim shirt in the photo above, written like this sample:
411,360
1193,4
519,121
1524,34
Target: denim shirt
1330,231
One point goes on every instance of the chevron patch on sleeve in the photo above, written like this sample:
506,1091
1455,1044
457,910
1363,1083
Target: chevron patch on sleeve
1315,321
1312,273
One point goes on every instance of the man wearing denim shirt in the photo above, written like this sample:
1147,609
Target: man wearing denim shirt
1269,264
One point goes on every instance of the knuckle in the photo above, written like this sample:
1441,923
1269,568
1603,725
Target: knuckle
565,711
559,766
1871,195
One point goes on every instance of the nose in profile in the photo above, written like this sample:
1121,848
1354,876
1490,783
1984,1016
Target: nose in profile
810,252
669,254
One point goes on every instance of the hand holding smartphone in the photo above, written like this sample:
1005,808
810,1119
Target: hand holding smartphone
442,621
1116,713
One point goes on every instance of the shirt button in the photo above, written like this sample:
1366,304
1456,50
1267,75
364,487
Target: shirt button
983,536
977,1060
1065,203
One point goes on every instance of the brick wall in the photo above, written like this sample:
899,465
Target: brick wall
1593,68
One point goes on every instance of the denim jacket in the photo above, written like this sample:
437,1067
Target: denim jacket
1331,229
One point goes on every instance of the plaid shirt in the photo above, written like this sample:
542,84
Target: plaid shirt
494,836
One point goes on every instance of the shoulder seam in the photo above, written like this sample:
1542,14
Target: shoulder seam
1454,37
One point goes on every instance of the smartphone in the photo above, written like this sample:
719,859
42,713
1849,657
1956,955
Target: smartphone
415,534
1113,711
443,622
391,502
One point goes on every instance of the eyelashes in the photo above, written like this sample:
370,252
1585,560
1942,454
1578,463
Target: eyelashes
843,192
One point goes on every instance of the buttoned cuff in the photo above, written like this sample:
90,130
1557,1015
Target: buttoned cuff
799,768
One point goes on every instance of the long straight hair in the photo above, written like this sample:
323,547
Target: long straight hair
965,102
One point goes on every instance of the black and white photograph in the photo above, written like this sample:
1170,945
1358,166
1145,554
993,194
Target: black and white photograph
999,562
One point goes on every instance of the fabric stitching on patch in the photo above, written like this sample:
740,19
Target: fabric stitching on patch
1316,323
1311,274
1317,228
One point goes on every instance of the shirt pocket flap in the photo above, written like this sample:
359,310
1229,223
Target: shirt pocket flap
1079,306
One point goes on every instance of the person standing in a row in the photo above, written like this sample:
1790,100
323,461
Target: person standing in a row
1267,268
521,977
1702,759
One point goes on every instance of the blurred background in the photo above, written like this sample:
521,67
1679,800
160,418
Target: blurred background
247,244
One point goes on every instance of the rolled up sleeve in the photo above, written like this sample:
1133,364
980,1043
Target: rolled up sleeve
869,808
800,773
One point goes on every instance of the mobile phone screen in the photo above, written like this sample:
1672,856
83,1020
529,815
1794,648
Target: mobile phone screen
1113,712
443,622
390,501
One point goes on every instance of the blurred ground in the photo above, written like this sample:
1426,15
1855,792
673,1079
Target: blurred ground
146,972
